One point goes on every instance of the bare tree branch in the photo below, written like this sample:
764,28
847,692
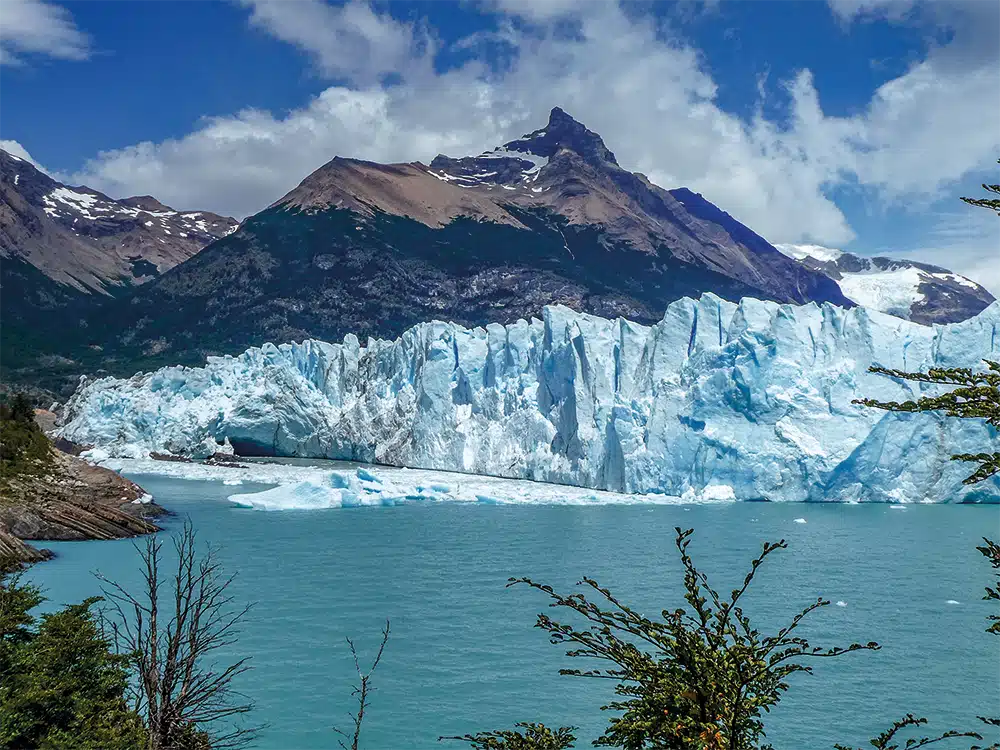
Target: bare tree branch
361,691
171,634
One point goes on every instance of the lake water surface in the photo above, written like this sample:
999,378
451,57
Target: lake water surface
464,657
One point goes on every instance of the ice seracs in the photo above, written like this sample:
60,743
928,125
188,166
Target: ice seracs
751,401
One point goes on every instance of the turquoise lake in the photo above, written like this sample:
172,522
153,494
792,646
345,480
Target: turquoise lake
464,655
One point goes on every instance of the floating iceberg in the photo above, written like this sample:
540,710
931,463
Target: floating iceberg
318,487
748,400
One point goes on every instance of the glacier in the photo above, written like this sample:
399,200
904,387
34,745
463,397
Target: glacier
748,400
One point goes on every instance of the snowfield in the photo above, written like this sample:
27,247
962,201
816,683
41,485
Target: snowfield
720,400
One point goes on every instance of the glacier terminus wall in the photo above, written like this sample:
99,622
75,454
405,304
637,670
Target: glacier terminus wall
749,400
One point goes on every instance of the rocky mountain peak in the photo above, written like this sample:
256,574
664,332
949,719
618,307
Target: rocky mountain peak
517,164
563,132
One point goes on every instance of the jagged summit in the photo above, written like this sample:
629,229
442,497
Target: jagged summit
518,164
547,218
562,131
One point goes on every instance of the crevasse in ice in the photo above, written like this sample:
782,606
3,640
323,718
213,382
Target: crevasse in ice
754,396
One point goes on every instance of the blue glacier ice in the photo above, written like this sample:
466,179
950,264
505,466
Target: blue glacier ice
748,400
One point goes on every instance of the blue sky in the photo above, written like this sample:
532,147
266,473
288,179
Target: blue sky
848,123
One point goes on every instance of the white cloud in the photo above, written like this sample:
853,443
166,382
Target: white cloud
853,10
929,127
619,73
931,15
541,11
966,241
350,40
33,27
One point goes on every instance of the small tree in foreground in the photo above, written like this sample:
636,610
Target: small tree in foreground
693,678
887,740
172,632
61,684
992,204
976,396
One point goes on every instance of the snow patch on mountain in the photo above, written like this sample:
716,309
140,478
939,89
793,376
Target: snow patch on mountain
906,289
69,206
954,277
755,397
517,167
892,292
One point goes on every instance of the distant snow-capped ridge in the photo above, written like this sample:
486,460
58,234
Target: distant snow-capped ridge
907,289
752,398
87,242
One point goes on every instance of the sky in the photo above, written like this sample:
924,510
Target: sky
853,124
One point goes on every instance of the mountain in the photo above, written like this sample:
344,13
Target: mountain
915,291
750,400
89,242
549,218
63,250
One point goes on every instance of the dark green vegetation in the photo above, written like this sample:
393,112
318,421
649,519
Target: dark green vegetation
128,671
534,737
24,449
39,334
62,686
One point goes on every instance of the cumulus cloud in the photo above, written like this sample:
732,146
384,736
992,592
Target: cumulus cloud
970,15
350,40
622,74
33,27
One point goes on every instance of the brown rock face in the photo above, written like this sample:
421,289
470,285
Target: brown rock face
565,170
71,501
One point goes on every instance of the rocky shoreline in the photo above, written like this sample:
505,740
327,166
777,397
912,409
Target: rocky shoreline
70,500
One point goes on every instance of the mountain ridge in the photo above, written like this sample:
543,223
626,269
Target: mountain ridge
82,238
921,292
374,248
